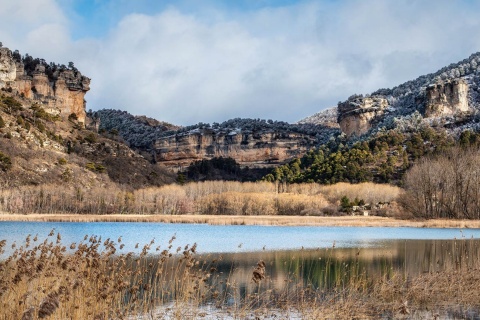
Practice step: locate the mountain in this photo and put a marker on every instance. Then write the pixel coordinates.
(46, 136)
(449, 98)
(384, 132)
(254, 143)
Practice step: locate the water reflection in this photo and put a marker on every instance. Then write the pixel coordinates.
(333, 267)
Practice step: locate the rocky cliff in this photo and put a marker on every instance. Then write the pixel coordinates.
(446, 98)
(357, 114)
(450, 96)
(57, 89)
(254, 143)
(252, 149)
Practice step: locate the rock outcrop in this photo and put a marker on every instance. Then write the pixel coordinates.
(446, 98)
(8, 71)
(252, 149)
(451, 93)
(358, 113)
(60, 91)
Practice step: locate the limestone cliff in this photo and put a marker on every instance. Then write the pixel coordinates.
(450, 96)
(357, 114)
(252, 149)
(58, 89)
(8, 70)
(446, 98)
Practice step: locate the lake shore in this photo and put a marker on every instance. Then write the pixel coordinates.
(343, 221)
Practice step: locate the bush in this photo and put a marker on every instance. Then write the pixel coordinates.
(2, 123)
(91, 138)
(345, 203)
(10, 104)
(41, 126)
(5, 162)
(72, 117)
(95, 167)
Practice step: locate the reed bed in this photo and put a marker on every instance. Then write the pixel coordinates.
(93, 279)
(212, 197)
(368, 191)
(342, 221)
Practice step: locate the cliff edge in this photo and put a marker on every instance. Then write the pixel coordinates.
(58, 89)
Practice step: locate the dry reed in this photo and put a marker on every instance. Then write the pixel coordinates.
(91, 280)
(344, 221)
(212, 197)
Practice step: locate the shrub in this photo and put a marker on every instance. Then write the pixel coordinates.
(95, 167)
(40, 126)
(20, 120)
(91, 138)
(5, 162)
(10, 104)
(2, 123)
(90, 166)
(72, 117)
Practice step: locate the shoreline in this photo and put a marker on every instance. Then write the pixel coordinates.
(342, 221)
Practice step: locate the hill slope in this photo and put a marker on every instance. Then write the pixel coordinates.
(43, 137)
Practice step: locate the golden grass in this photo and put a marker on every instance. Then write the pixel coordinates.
(343, 221)
(41, 280)
(368, 191)
(212, 197)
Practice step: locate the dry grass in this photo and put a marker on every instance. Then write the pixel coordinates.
(212, 197)
(368, 191)
(45, 280)
(344, 221)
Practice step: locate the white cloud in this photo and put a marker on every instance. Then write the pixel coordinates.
(281, 63)
(22, 22)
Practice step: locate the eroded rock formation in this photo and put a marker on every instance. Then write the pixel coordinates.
(446, 98)
(357, 114)
(8, 71)
(253, 149)
(60, 93)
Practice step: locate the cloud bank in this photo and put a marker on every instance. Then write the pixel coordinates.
(213, 63)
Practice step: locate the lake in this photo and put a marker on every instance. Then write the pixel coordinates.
(229, 239)
(295, 258)
(284, 249)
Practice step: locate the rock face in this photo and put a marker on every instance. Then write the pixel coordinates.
(253, 149)
(451, 93)
(446, 98)
(357, 114)
(8, 71)
(60, 92)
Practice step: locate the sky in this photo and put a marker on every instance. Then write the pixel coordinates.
(191, 61)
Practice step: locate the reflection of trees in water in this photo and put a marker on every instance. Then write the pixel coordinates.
(290, 274)
(326, 268)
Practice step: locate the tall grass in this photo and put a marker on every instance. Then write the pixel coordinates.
(93, 279)
(213, 197)
(370, 192)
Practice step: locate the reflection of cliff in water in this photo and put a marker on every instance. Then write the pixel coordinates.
(324, 268)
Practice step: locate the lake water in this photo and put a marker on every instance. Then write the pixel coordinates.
(294, 256)
(229, 239)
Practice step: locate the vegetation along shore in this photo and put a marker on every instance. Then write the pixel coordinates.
(91, 279)
(344, 221)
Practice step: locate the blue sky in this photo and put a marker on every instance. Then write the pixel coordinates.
(193, 61)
